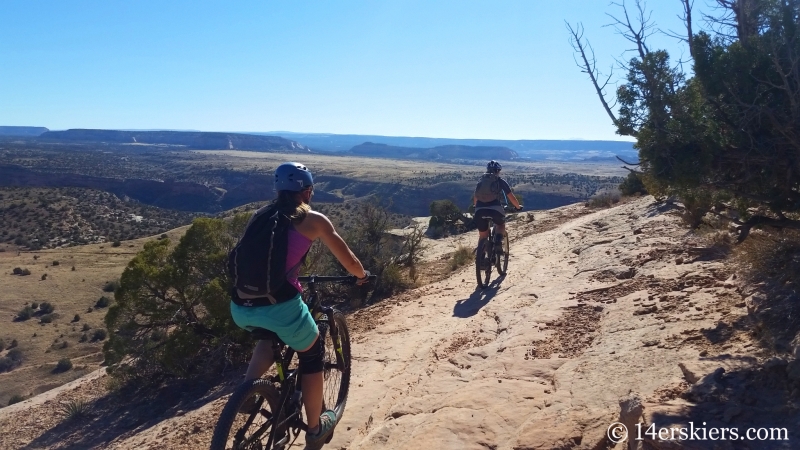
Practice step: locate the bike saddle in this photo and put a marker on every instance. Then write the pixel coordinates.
(262, 334)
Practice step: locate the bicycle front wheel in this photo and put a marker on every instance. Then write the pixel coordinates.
(336, 363)
(251, 428)
(502, 260)
(483, 266)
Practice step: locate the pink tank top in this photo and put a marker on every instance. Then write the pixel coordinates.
(298, 246)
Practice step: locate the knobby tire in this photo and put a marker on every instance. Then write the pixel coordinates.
(336, 374)
(481, 256)
(502, 262)
(230, 421)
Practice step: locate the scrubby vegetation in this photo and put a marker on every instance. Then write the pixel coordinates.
(722, 138)
(171, 309)
(36, 218)
(63, 365)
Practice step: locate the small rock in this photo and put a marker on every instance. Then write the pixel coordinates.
(679, 260)
(650, 342)
(642, 311)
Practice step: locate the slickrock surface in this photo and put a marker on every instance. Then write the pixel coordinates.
(617, 307)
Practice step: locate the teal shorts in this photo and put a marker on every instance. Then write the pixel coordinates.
(290, 320)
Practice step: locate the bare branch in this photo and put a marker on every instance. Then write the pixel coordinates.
(626, 162)
(588, 65)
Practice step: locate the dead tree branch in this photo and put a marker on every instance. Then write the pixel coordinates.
(588, 65)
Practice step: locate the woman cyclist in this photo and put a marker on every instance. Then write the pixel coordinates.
(290, 319)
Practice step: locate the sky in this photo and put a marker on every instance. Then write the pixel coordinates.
(493, 69)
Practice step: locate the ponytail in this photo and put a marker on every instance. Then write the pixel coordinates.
(289, 203)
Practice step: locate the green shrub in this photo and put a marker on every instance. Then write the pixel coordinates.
(47, 318)
(15, 354)
(64, 364)
(55, 263)
(604, 200)
(46, 307)
(84, 338)
(116, 244)
(17, 271)
(44, 276)
(14, 343)
(35, 305)
(102, 302)
(632, 185)
(99, 335)
(111, 286)
(200, 336)
(24, 314)
(86, 327)
(25, 272)
(77, 318)
(16, 398)
(462, 256)
(6, 364)
(392, 280)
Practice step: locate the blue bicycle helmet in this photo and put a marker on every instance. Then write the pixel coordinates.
(292, 176)
(493, 166)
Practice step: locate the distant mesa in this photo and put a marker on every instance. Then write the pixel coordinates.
(434, 153)
(191, 140)
(22, 131)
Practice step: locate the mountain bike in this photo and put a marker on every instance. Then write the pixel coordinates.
(488, 254)
(273, 418)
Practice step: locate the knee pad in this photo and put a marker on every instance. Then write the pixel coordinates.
(311, 359)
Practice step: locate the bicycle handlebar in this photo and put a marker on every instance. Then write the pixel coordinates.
(348, 279)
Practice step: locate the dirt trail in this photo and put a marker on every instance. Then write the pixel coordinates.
(591, 310)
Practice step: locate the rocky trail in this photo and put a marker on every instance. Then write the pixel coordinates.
(616, 315)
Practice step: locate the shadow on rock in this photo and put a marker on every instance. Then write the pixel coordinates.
(471, 305)
(761, 399)
(131, 410)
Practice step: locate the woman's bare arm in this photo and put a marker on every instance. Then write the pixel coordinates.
(316, 225)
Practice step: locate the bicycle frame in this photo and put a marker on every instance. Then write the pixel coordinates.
(288, 380)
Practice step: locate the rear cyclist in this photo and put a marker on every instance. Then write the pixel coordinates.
(290, 319)
(488, 202)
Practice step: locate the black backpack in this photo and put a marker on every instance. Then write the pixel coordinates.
(257, 264)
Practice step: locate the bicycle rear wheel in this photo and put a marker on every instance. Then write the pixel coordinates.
(240, 431)
(502, 260)
(336, 363)
(483, 266)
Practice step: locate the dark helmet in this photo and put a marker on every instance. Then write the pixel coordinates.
(493, 166)
(292, 176)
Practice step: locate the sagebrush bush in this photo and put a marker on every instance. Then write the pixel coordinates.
(604, 200)
(111, 286)
(461, 257)
(47, 318)
(102, 302)
(99, 334)
(46, 307)
(116, 244)
(86, 327)
(35, 305)
(25, 313)
(55, 263)
(16, 398)
(77, 318)
(63, 365)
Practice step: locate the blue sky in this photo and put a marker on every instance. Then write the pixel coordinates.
(457, 69)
